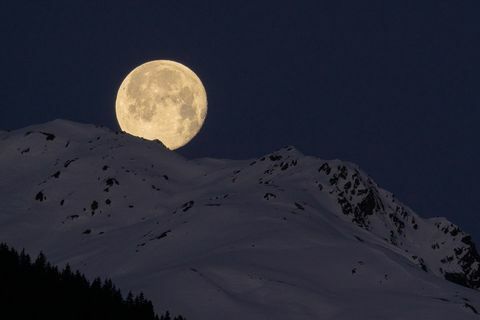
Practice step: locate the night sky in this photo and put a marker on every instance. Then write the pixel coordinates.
(393, 87)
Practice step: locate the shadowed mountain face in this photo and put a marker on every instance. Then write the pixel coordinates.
(284, 236)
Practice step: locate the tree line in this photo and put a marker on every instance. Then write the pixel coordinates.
(36, 289)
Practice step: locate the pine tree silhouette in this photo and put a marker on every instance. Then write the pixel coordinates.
(39, 290)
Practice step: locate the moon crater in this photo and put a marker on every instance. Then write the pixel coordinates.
(162, 100)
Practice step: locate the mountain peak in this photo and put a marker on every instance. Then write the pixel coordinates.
(282, 232)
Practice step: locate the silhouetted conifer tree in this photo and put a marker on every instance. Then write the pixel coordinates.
(39, 290)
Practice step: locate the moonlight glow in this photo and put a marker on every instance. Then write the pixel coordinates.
(162, 100)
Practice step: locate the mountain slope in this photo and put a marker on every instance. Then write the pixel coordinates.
(284, 236)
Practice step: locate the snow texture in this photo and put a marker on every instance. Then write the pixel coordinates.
(284, 236)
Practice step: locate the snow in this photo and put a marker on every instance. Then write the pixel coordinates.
(270, 238)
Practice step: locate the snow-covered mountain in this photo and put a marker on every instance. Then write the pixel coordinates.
(284, 236)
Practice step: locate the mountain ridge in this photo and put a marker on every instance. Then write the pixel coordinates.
(107, 202)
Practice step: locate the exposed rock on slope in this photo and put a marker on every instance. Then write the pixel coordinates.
(284, 236)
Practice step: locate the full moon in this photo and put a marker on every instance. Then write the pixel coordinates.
(162, 100)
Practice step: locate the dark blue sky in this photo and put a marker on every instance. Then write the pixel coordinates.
(391, 86)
